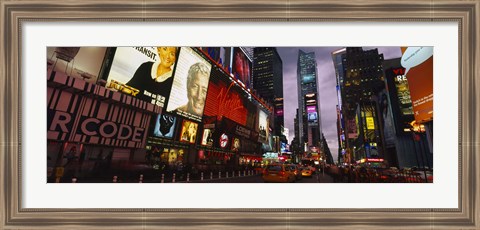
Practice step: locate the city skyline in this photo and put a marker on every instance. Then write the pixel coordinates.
(326, 87)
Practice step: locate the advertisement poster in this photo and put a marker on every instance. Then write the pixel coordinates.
(225, 100)
(207, 138)
(387, 119)
(312, 113)
(164, 126)
(175, 156)
(418, 62)
(143, 72)
(241, 67)
(403, 91)
(190, 85)
(189, 131)
(223, 140)
(352, 128)
(263, 126)
(235, 144)
(79, 62)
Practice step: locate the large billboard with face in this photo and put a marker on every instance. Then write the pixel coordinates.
(241, 67)
(190, 85)
(225, 99)
(418, 62)
(143, 72)
(164, 126)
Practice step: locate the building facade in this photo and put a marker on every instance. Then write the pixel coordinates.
(268, 82)
(100, 117)
(309, 120)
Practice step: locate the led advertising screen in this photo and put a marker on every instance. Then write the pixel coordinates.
(190, 85)
(312, 114)
(308, 78)
(189, 131)
(224, 99)
(262, 126)
(143, 72)
(80, 62)
(207, 138)
(241, 67)
(418, 62)
(164, 126)
(402, 89)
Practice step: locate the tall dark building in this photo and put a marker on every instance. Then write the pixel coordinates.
(308, 102)
(338, 57)
(268, 81)
(396, 113)
(363, 78)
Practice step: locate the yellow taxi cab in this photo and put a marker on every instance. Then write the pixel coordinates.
(296, 171)
(278, 173)
(307, 172)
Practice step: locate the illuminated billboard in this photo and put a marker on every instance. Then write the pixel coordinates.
(418, 62)
(207, 138)
(80, 62)
(175, 155)
(402, 89)
(190, 85)
(164, 126)
(189, 132)
(312, 114)
(386, 119)
(263, 126)
(308, 78)
(143, 72)
(235, 144)
(241, 66)
(225, 99)
(223, 140)
(352, 128)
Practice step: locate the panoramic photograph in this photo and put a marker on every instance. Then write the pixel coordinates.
(239, 114)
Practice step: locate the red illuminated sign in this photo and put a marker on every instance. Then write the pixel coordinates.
(224, 101)
(374, 160)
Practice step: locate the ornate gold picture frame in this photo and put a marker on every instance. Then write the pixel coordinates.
(15, 13)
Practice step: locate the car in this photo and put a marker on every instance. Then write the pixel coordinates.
(306, 172)
(278, 173)
(296, 170)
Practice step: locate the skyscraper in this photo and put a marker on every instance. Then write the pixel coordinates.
(308, 102)
(338, 57)
(363, 78)
(268, 81)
